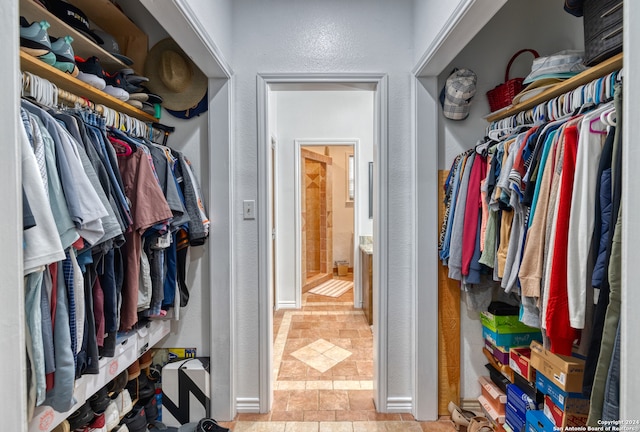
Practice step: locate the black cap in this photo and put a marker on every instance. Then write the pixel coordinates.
(74, 17)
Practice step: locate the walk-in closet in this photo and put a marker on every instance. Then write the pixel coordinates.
(457, 242)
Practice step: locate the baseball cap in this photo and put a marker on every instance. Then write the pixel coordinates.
(110, 45)
(457, 93)
(74, 17)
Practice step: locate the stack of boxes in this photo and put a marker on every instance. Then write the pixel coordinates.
(529, 388)
(503, 332)
(559, 378)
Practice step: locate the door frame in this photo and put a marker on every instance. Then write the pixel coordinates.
(299, 143)
(380, 226)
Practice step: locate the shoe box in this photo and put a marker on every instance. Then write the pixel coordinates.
(185, 391)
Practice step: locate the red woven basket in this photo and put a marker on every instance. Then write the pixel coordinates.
(502, 95)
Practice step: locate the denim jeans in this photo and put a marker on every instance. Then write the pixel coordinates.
(611, 406)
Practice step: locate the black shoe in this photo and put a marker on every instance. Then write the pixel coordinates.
(81, 417)
(141, 389)
(210, 425)
(100, 400)
(136, 420)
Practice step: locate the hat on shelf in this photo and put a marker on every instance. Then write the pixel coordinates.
(110, 44)
(174, 76)
(535, 88)
(563, 64)
(457, 93)
(74, 17)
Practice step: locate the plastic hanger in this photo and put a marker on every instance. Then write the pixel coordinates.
(122, 148)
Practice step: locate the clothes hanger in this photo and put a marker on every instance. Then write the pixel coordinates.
(122, 148)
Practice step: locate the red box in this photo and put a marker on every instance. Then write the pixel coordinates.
(563, 419)
(520, 362)
(493, 395)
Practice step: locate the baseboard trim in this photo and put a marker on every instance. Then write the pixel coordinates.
(248, 405)
(399, 404)
(287, 305)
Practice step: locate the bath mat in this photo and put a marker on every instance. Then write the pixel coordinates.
(332, 288)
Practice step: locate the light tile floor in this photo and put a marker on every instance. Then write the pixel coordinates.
(323, 374)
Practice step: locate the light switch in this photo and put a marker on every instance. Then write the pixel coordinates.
(249, 209)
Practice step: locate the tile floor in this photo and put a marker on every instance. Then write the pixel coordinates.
(323, 374)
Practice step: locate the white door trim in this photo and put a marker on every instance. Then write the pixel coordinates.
(380, 231)
(299, 143)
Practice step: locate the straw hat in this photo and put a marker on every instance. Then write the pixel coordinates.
(174, 76)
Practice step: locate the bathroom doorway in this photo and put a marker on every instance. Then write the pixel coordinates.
(327, 185)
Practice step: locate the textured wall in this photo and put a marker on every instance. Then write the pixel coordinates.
(331, 36)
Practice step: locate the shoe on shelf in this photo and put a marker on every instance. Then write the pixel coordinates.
(81, 417)
(100, 400)
(34, 40)
(62, 427)
(65, 59)
(118, 384)
(123, 402)
(136, 420)
(146, 359)
(91, 72)
(98, 424)
(116, 86)
(111, 416)
(141, 389)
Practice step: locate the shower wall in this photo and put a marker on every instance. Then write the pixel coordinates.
(316, 218)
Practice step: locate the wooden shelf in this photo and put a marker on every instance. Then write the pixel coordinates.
(82, 45)
(132, 41)
(79, 88)
(602, 69)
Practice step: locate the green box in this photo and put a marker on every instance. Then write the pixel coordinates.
(505, 324)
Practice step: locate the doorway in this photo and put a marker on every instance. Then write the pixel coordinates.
(375, 87)
(326, 221)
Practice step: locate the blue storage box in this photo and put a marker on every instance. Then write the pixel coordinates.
(508, 340)
(538, 422)
(520, 401)
(515, 420)
(573, 402)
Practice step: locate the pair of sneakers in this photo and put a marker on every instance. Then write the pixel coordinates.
(57, 52)
(118, 84)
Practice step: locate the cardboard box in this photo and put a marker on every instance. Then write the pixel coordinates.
(503, 369)
(181, 353)
(514, 421)
(565, 372)
(519, 361)
(501, 354)
(574, 402)
(538, 422)
(498, 378)
(490, 412)
(563, 419)
(520, 401)
(185, 391)
(493, 394)
(504, 323)
(529, 388)
(508, 340)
